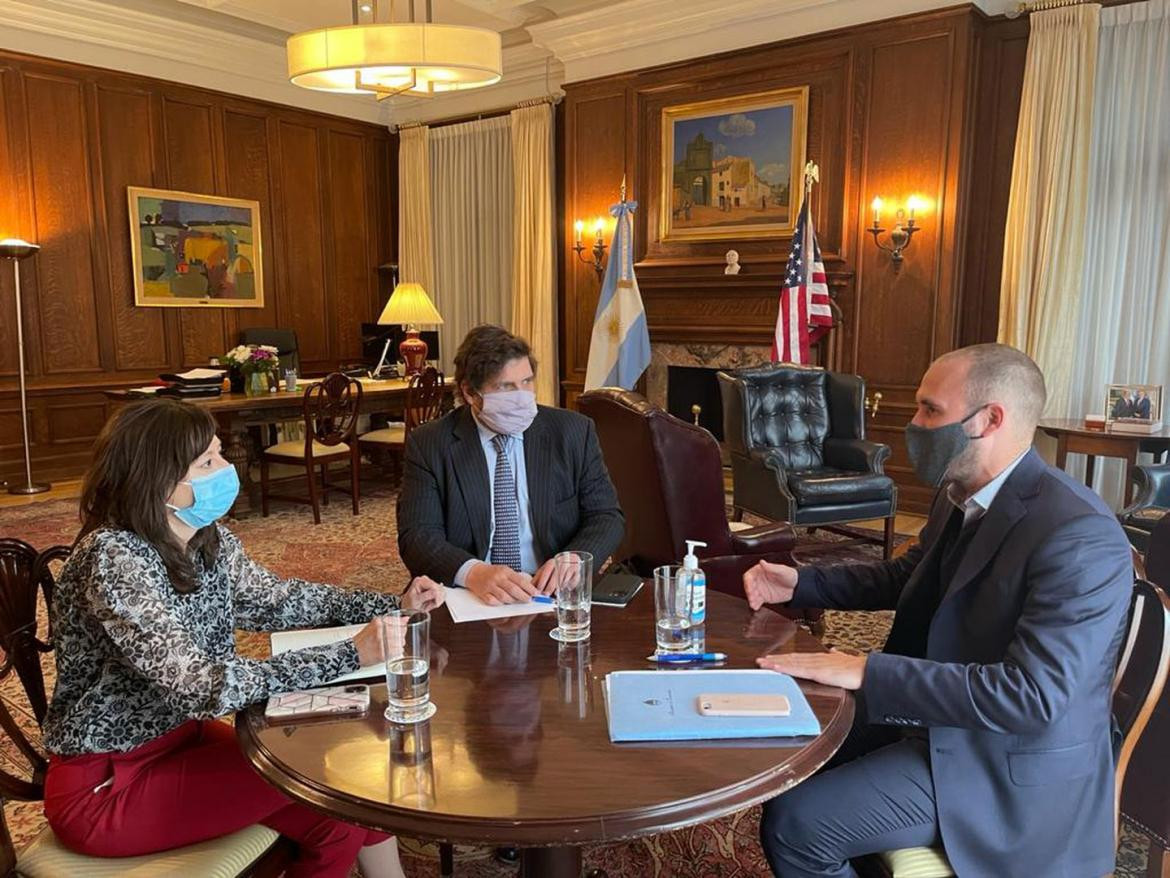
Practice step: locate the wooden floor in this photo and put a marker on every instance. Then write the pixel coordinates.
(67, 490)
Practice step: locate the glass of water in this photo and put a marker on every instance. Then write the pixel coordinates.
(406, 644)
(573, 576)
(672, 608)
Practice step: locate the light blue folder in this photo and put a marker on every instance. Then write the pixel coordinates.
(663, 705)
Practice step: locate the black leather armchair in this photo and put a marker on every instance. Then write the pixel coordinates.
(798, 448)
(1151, 503)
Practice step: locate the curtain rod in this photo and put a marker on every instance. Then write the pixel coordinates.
(1041, 6)
(485, 114)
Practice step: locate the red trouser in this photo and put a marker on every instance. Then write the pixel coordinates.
(187, 786)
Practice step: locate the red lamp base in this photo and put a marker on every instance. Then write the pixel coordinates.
(413, 351)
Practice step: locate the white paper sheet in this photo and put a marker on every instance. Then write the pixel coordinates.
(466, 607)
(284, 641)
(201, 374)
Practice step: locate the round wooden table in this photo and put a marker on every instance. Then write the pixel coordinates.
(519, 754)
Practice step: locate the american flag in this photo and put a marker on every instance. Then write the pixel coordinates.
(804, 300)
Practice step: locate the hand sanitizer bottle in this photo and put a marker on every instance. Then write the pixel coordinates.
(698, 583)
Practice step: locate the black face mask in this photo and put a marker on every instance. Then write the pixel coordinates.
(932, 450)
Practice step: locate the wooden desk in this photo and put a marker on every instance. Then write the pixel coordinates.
(1072, 438)
(236, 412)
(518, 753)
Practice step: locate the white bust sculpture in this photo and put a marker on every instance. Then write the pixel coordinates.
(732, 263)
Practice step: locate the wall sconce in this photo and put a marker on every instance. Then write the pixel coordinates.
(596, 259)
(901, 234)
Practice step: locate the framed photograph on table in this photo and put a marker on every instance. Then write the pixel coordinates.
(193, 250)
(1134, 407)
(731, 167)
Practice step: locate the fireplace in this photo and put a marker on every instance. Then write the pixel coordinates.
(688, 386)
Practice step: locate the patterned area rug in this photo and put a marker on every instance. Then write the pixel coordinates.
(361, 551)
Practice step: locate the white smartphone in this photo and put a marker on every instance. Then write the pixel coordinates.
(349, 700)
(745, 704)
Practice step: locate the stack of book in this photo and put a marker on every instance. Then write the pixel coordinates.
(1135, 425)
(193, 384)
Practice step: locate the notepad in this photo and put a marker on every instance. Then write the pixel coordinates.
(663, 706)
(466, 607)
(286, 641)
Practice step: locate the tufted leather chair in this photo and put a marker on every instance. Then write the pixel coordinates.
(669, 479)
(1150, 505)
(798, 448)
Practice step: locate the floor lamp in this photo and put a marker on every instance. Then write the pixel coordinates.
(16, 250)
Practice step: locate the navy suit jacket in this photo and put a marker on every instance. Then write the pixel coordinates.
(1013, 679)
(445, 505)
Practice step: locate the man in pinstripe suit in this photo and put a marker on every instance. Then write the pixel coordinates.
(493, 490)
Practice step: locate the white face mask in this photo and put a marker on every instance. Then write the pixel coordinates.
(510, 412)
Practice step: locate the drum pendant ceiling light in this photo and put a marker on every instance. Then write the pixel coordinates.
(394, 58)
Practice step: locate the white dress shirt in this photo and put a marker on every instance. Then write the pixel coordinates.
(976, 506)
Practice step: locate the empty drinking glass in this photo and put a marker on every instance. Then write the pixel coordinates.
(672, 608)
(406, 641)
(573, 576)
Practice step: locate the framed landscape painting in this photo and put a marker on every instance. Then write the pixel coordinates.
(731, 167)
(195, 250)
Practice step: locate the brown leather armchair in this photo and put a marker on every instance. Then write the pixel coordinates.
(669, 479)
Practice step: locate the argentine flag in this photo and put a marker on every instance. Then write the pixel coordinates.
(619, 351)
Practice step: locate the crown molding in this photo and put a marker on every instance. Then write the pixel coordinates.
(138, 41)
(636, 34)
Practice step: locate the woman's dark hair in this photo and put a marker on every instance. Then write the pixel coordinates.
(484, 352)
(144, 450)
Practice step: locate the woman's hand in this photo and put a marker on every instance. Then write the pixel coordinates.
(423, 593)
(368, 642)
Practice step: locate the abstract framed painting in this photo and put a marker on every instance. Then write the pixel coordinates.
(731, 167)
(193, 250)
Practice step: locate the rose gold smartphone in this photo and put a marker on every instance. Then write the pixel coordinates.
(338, 701)
(744, 705)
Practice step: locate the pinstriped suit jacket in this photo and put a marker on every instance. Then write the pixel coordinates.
(445, 505)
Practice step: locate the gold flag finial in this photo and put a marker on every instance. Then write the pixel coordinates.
(623, 188)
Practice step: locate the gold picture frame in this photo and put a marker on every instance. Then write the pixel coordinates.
(195, 251)
(731, 167)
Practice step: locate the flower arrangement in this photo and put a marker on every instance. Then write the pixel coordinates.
(249, 359)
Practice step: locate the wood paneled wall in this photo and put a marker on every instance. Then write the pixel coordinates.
(922, 104)
(72, 138)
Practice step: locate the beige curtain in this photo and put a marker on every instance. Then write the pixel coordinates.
(1043, 265)
(534, 286)
(415, 253)
(471, 202)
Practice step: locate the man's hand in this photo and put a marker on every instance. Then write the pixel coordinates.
(496, 584)
(831, 668)
(544, 581)
(768, 583)
(423, 593)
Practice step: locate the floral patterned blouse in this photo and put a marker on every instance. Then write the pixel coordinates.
(136, 658)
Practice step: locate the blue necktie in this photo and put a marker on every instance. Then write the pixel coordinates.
(506, 538)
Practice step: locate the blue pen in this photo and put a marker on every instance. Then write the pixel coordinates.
(686, 657)
(542, 599)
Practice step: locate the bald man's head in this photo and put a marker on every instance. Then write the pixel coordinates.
(1000, 373)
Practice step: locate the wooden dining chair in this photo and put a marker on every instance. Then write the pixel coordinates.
(1138, 684)
(25, 576)
(424, 402)
(330, 410)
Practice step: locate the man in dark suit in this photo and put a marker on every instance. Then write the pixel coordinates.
(1141, 405)
(984, 725)
(1125, 406)
(492, 491)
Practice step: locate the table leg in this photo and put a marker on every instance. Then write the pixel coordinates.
(236, 451)
(1090, 469)
(554, 862)
(1061, 451)
(1131, 461)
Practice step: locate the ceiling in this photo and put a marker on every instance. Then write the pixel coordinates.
(237, 46)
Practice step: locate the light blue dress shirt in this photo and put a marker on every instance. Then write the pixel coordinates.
(976, 506)
(515, 452)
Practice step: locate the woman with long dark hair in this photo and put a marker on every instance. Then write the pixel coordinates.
(143, 623)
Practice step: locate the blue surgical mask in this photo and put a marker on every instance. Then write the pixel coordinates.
(214, 495)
